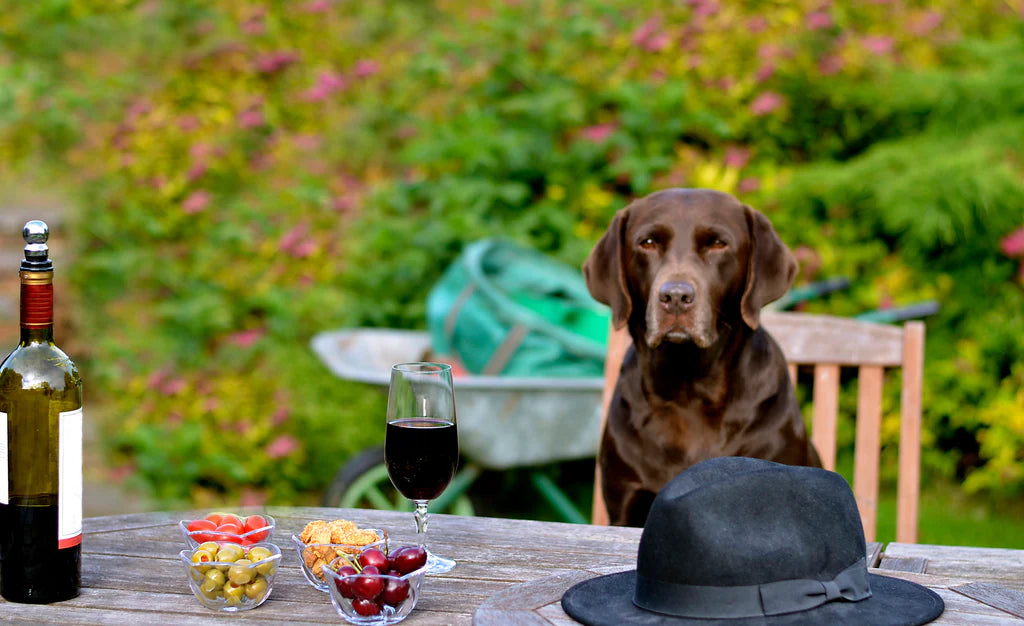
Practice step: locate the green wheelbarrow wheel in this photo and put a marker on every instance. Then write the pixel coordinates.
(362, 482)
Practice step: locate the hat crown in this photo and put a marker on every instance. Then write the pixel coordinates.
(736, 521)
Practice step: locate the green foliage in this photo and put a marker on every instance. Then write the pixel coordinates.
(249, 174)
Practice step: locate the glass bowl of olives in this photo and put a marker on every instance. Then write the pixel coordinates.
(220, 527)
(227, 576)
(314, 557)
(376, 588)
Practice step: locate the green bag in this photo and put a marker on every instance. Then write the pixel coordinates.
(502, 309)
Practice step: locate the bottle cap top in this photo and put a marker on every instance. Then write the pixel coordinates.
(37, 253)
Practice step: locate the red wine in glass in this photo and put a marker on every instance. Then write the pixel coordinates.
(422, 454)
(421, 443)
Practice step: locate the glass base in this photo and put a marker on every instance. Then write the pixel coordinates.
(438, 564)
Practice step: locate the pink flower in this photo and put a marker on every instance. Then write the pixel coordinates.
(307, 141)
(196, 171)
(196, 202)
(925, 23)
(767, 102)
(768, 51)
(327, 83)
(757, 24)
(246, 338)
(173, 387)
(280, 416)
(878, 44)
(737, 156)
(818, 20)
(764, 72)
(211, 404)
(282, 446)
(644, 32)
(1012, 245)
(188, 123)
(316, 6)
(251, 118)
(598, 132)
(830, 64)
(343, 204)
(174, 419)
(316, 93)
(749, 185)
(366, 67)
(275, 61)
(704, 8)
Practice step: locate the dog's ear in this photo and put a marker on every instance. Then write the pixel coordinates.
(770, 270)
(605, 272)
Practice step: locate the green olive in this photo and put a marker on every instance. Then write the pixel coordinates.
(242, 572)
(229, 554)
(257, 588)
(258, 556)
(210, 546)
(217, 577)
(202, 556)
(233, 593)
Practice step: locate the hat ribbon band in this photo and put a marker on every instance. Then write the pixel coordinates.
(775, 598)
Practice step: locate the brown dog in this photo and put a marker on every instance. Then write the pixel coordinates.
(688, 270)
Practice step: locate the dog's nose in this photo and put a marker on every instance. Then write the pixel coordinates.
(676, 296)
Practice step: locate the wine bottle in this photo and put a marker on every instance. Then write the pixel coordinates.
(40, 447)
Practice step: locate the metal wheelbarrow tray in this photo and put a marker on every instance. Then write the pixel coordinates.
(503, 421)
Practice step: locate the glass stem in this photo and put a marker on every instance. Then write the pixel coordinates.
(421, 522)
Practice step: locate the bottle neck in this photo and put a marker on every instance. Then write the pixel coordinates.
(36, 306)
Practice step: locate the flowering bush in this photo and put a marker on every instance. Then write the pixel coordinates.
(248, 174)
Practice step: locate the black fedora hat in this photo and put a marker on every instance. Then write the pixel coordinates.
(746, 541)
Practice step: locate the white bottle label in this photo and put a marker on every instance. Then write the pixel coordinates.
(5, 496)
(69, 487)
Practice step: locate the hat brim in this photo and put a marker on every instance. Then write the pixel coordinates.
(608, 600)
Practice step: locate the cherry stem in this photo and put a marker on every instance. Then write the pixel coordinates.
(421, 522)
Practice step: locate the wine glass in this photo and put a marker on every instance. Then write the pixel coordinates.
(421, 446)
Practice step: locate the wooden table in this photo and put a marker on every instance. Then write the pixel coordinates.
(509, 570)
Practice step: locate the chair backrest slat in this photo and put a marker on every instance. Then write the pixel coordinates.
(867, 445)
(909, 480)
(826, 412)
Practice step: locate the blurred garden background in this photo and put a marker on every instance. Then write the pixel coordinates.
(233, 177)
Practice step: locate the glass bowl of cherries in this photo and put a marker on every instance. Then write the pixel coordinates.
(377, 587)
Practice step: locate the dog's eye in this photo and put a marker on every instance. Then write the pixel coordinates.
(717, 244)
(648, 243)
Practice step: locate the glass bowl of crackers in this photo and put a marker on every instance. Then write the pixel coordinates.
(321, 542)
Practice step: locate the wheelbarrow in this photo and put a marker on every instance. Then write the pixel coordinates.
(504, 421)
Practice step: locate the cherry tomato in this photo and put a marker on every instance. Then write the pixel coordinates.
(215, 518)
(228, 518)
(256, 522)
(201, 525)
(234, 529)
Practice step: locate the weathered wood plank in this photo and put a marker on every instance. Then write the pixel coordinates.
(874, 553)
(807, 338)
(1008, 600)
(904, 564)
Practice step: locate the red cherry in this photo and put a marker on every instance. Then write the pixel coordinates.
(363, 606)
(373, 557)
(410, 559)
(396, 590)
(369, 584)
(344, 584)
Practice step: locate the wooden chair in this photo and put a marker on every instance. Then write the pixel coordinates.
(829, 343)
